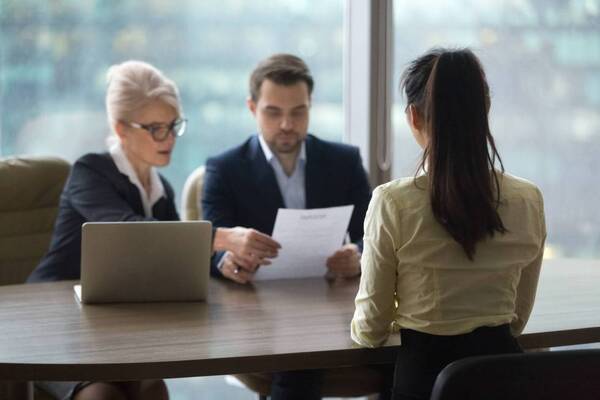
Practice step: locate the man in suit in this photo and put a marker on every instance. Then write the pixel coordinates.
(284, 166)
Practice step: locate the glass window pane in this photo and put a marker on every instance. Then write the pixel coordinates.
(542, 59)
(54, 56)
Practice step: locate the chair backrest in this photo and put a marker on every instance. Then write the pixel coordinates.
(569, 374)
(191, 197)
(30, 189)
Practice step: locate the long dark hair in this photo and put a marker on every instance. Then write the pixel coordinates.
(448, 88)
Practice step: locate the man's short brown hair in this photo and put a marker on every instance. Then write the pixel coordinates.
(282, 69)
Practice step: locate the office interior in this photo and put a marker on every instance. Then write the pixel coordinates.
(542, 60)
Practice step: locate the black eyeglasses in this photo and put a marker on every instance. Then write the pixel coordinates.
(160, 132)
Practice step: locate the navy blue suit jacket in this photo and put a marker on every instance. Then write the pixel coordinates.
(240, 188)
(95, 191)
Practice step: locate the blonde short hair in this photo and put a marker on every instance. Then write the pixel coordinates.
(134, 84)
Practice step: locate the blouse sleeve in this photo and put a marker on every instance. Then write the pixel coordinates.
(527, 286)
(375, 301)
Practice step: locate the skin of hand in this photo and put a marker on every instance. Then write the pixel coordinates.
(234, 271)
(250, 247)
(345, 262)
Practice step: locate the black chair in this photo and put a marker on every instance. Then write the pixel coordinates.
(570, 374)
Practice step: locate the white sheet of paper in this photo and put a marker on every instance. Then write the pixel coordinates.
(307, 239)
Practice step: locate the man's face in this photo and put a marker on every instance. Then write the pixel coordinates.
(282, 114)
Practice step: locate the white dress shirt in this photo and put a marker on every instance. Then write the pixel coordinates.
(157, 189)
(291, 187)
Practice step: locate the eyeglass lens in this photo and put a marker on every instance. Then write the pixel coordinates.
(162, 132)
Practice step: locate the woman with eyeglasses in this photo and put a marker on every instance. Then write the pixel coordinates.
(145, 116)
(452, 255)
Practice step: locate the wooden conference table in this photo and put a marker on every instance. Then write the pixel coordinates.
(45, 334)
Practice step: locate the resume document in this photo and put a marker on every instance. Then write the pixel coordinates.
(307, 239)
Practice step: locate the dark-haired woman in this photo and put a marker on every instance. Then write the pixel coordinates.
(452, 255)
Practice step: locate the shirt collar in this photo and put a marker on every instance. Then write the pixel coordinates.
(269, 154)
(124, 166)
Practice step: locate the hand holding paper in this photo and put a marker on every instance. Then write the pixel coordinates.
(345, 262)
(307, 238)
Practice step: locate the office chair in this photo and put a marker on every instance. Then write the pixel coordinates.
(30, 189)
(191, 196)
(338, 382)
(569, 374)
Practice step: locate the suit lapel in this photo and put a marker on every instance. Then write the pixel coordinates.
(262, 172)
(129, 190)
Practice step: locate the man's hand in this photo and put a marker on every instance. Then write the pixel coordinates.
(250, 247)
(345, 262)
(231, 269)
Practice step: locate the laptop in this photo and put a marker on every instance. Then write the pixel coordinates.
(144, 261)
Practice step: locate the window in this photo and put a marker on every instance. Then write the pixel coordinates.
(542, 59)
(54, 56)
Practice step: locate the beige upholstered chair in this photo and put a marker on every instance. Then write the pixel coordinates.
(338, 382)
(191, 205)
(30, 189)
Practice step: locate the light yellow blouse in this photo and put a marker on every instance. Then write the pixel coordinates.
(415, 276)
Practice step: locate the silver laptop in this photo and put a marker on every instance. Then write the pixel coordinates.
(144, 261)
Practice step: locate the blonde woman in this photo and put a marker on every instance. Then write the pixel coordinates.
(123, 184)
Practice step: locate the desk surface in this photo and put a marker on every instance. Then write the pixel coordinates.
(273, 325)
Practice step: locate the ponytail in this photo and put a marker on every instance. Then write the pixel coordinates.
(450, 92)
